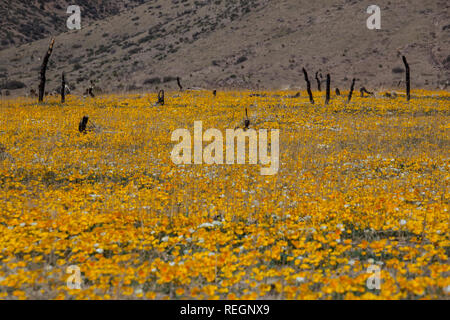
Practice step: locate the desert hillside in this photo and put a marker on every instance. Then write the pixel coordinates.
(236, 44)
(24, 22)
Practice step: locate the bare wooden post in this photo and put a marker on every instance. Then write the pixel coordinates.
(351, 90)
(327, 99)
(82, 125)
(318, 82)
(179, 83)
(408, 83)
(44, 69)
(63, 88)
(308, 86)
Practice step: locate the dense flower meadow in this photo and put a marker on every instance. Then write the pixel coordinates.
(360, 184)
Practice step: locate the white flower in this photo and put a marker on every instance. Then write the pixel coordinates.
(205, 225)
(351, 262)
(165, 239)
(402, 222)
(300, 279)
(138, 291)
(447, 289)
(99, 250)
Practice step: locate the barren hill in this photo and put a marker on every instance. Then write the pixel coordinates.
(24, 22)
(245, 44)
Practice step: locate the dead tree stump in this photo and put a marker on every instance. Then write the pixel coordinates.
(179, 84)
(327, 99)
(246, 120)
(364, 90)
(308, 86)
(90, 90)
(351, 90)
(63, 88)
(83, 124)
(408, 83)
(161, 97)
(44, 70)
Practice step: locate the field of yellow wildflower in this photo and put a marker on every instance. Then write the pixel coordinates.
(360, 185)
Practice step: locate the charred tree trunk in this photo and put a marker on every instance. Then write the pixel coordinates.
(327, 99)
(214, 93)
(338, 92)
(83, 124)
(308, 86)
(179, 84)
(43, 71)
(161, 97)
(90, 90)
(351, 90)
(408, 83)
(364, 90)
(63, 88)
(246, 120)
(318, 82)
